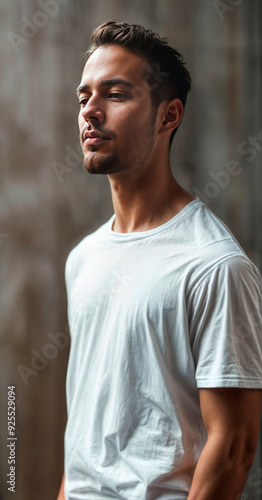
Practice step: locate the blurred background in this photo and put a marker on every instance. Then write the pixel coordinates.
(48, 202)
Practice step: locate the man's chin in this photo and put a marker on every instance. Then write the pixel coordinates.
(100, 164)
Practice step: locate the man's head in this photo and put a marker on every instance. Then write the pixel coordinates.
(165, 71)
(132, 94)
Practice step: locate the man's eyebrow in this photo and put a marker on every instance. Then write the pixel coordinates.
(104, 83)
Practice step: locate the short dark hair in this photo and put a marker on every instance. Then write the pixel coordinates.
(162, 59)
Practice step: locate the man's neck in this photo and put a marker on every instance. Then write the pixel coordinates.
(147, 201)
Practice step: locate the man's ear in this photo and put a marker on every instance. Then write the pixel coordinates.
(173, 115)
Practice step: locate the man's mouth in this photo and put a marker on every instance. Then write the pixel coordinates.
(92, 137)
(94, 140)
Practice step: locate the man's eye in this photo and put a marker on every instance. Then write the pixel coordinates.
(82, 102)
(118, 95)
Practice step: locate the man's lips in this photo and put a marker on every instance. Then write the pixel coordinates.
(93, 137)
(94, 140)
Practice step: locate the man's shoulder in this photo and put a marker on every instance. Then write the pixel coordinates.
(211, 246)
(206, 229)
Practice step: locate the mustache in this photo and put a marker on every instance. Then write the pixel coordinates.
(88, 128)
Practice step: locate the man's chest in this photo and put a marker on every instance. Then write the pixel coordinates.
(125, 280)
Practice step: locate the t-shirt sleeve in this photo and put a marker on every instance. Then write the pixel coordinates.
(226, 326)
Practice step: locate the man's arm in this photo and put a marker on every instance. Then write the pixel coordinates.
(231, 417)
(61, 494)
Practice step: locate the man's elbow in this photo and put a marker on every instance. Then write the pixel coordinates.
(247, 452)
(240, 452)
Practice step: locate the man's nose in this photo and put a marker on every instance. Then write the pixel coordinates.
(93, 110)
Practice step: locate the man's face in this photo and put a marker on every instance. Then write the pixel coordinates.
(116, 110)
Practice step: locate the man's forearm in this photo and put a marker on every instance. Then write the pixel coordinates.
(221, 471)
(61, 494)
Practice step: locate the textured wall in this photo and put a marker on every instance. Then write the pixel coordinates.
(48, 202)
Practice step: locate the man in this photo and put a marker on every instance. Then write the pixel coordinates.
(165, 369)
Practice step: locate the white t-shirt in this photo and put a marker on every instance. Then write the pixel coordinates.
(154, 315)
